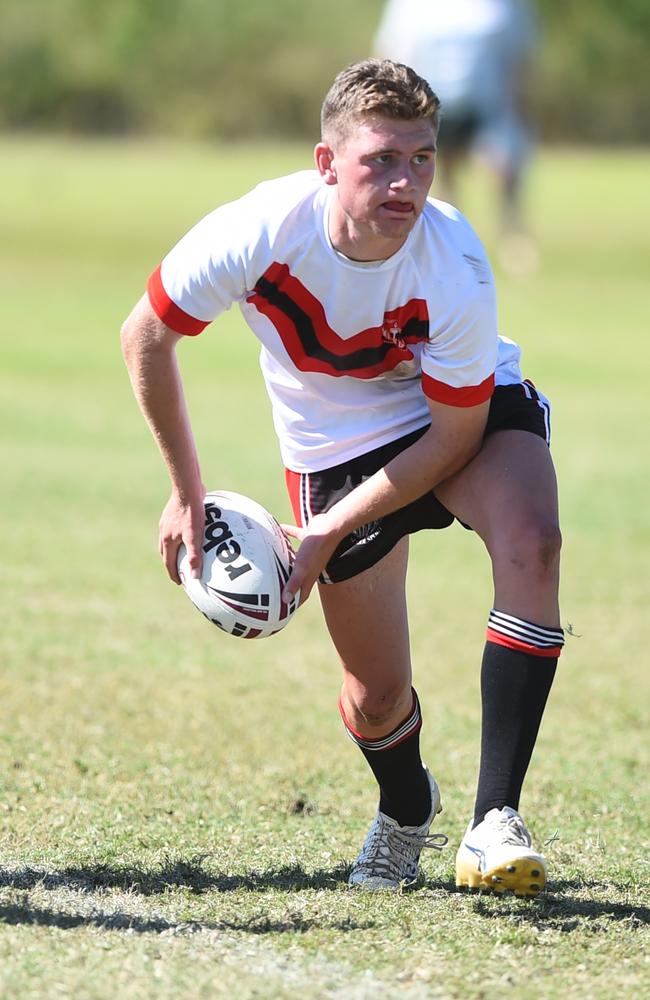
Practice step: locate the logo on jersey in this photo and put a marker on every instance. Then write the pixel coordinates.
(391, 333)
(480, 268)
(314, 346)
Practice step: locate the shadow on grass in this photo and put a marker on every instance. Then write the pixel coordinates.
(21, 914)
(188, 874)
(565, 906)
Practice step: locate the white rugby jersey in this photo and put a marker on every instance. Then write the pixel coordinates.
(349, 349)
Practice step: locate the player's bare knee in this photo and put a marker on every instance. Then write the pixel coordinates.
(541, 546)
(532, 546)
(380, 707)
(550, 545)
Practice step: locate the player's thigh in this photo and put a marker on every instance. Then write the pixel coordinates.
(507, 491)
(508, 494)
(367, 619)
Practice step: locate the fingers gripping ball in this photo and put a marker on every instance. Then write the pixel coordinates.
(247, 560)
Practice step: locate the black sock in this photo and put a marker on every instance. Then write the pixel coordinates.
(518, 668)
(395, 761)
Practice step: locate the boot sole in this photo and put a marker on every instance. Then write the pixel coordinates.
(526, 877)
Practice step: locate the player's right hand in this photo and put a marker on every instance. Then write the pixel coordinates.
(181, 522)
(317, 543)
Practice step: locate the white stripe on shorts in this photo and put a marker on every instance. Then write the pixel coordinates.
(306, 514)
(544, 405)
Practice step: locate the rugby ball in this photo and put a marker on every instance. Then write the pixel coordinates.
(246, 563)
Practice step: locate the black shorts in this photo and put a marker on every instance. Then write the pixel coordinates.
(512, 407)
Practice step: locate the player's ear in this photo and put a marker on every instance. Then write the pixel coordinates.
(324, 159)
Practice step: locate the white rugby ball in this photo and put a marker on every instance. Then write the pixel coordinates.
(246, 563)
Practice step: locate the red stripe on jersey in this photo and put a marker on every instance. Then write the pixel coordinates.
(172, 315)
(466, 395)
(292, 479)
(314, 346)
(524, 647)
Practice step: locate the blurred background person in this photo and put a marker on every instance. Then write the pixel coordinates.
(477, 55)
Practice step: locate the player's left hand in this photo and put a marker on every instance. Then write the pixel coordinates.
(317, 544)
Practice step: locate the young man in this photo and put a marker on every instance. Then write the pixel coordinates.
(375, 309)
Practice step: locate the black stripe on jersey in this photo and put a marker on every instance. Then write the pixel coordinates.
(310, 331)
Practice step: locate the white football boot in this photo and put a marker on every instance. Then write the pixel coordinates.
(390, 853)
(498, 855)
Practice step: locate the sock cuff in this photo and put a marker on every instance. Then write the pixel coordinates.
(411, 725)
(519, 634)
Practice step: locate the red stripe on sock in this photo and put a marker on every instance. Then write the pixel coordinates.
(347, 724)
(366, 739)
(523, 647)
(402, 739)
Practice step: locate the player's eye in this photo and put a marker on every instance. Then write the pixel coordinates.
(421, 158)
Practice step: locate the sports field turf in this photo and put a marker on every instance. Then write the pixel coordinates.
(178, 808)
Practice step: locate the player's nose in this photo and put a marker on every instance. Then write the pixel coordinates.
(403, 179)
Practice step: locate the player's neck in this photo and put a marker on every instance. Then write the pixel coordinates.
(361, 243)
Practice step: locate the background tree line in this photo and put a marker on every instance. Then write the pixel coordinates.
(260, 67)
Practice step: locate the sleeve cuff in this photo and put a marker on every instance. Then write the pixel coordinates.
(467, 395)
(172, 315)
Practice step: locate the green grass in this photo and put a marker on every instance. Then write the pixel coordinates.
(177, 809)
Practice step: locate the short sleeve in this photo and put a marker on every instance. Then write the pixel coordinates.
(205, 273)
(460, 357)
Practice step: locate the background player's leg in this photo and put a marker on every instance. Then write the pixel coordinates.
(508, 494)
(367, 620)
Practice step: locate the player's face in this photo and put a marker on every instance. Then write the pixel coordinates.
(382, 174)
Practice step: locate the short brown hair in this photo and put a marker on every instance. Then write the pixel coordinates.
(379, 87)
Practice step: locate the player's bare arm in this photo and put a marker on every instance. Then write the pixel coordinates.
(149, 349)
(452, 440)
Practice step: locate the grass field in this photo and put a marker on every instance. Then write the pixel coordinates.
(177, 808)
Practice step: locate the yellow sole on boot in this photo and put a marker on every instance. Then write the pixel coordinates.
(523, 876)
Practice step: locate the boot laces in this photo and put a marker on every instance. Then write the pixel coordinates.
(393, 853)
(513, 831)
